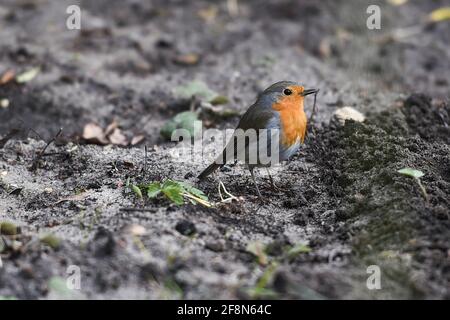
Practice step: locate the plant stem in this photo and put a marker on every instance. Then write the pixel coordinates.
(422, 188)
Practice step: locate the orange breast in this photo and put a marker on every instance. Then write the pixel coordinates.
(293, 119)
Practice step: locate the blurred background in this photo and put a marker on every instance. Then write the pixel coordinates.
(129, 57)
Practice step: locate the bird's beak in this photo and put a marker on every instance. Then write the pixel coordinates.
(309, 91)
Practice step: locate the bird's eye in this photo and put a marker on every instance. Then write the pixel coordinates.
(287, 92)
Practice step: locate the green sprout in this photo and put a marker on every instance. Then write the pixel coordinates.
(261, 288)
(137, 191)
(296, 250)
(416, 175)
(175, 191)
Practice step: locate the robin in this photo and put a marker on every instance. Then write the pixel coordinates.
(277, 121)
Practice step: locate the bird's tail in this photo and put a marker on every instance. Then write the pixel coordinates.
(210, 169)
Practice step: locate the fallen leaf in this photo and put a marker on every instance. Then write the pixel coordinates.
(110, 128)
(440, 14)
(94, 133)
(397, 2)
(9, 228)
(28, 75)
(7, 77)
(117, 138)
(187, 59)
(195, 88)
(219, 100)
(76, 197)
(52, 241)
(183, 120)
(137, 139)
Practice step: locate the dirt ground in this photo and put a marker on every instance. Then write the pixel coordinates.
(342, 201)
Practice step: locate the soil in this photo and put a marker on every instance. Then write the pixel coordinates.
(341, 195)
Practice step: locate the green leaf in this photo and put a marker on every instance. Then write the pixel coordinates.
(9, 228)
(174, 194)
(59, 286)
(194, 191)
(28, 75)
(168, 128)
(175, 191)
(137, 191)
(298, 249)
(440, 14)
(262, 293)
(183, 120)
(413, 173)
(219, 100)
(195, 88)
(153, 189)
(7, 298)
(52, 241)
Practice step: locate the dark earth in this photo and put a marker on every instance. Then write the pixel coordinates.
(342, 200)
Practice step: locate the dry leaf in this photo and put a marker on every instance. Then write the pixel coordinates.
(397, 2)
(440, 14)
(117, 138)
(187, 59)
(137, 139)
(94, 133)
(8, 76)
(110, 128)
(77, 197)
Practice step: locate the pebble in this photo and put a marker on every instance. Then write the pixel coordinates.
(348, 113)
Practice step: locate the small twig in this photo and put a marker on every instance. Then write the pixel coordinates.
(144, 169)
(41, 153)
(230, 196)
(201, 201)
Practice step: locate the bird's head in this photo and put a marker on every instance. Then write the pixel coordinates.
(285, 95)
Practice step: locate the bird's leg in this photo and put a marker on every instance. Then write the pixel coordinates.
(254, 181)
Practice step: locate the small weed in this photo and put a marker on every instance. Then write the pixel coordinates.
(177, 192)
(416, 175)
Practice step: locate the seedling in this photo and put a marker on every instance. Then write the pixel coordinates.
(137, 191)
(261, 290)
(177, 192)
(296, 250)
(258, 249)
(416, 175)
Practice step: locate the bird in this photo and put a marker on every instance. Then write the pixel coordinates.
(277, 121)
